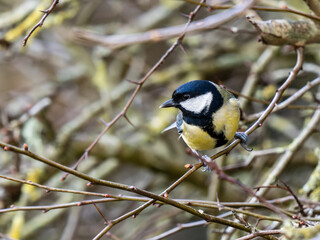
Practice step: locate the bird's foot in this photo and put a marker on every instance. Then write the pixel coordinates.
(207, 158)
(243, 137)
(206, 168)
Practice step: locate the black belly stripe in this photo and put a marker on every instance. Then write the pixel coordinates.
(206, 125)
(220, 137)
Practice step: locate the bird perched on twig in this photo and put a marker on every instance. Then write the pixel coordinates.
(208, 115)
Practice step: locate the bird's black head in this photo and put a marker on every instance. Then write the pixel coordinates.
(199, 98)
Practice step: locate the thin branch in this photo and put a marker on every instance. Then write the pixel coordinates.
(47, 208)
(40, 23)
(289, 100)
(53, 189)
(259, 8)
(229, 206)
(295, 197)
(101, 214)
(265, 102)
(178, 228)
(260, 233)
(254, 155)
(32, 111)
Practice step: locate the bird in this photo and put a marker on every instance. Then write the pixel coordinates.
(208, 115)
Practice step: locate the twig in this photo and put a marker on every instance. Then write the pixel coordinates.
(112, 236)
(295, 197)
(101, 214)
(47, 208)
(40, 23)
(48, 189)
(178, 228)
(253, 155)
(270, 186)
(265, 102)
(196, 203)
(32, 111)
(289, 100)
(260, 233)
(288, 189)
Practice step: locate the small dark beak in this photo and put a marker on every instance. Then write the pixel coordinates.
(167, 104)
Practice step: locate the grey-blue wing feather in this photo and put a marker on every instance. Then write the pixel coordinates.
(179, 122)
(173, 125)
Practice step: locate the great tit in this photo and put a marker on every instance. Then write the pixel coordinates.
(208, 115)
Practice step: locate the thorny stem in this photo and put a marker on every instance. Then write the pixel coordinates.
(40, 23)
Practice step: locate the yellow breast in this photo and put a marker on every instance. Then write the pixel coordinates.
(196, 138)
(227, 119)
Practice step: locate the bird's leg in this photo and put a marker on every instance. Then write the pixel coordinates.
(243, 137)
(205, 166)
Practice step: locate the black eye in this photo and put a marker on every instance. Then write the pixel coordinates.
(185, 96)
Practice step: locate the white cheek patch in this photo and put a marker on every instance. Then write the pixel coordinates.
(198, 104)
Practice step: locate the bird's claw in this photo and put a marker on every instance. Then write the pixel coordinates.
(207, 158)
(206, 168)
(243, 137)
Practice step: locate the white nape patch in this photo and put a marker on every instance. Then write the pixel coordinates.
(198, 104)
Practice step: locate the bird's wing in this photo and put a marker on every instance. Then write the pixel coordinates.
(177, 124)
(173, 125)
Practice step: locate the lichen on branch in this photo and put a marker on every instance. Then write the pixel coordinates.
(285, 32)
